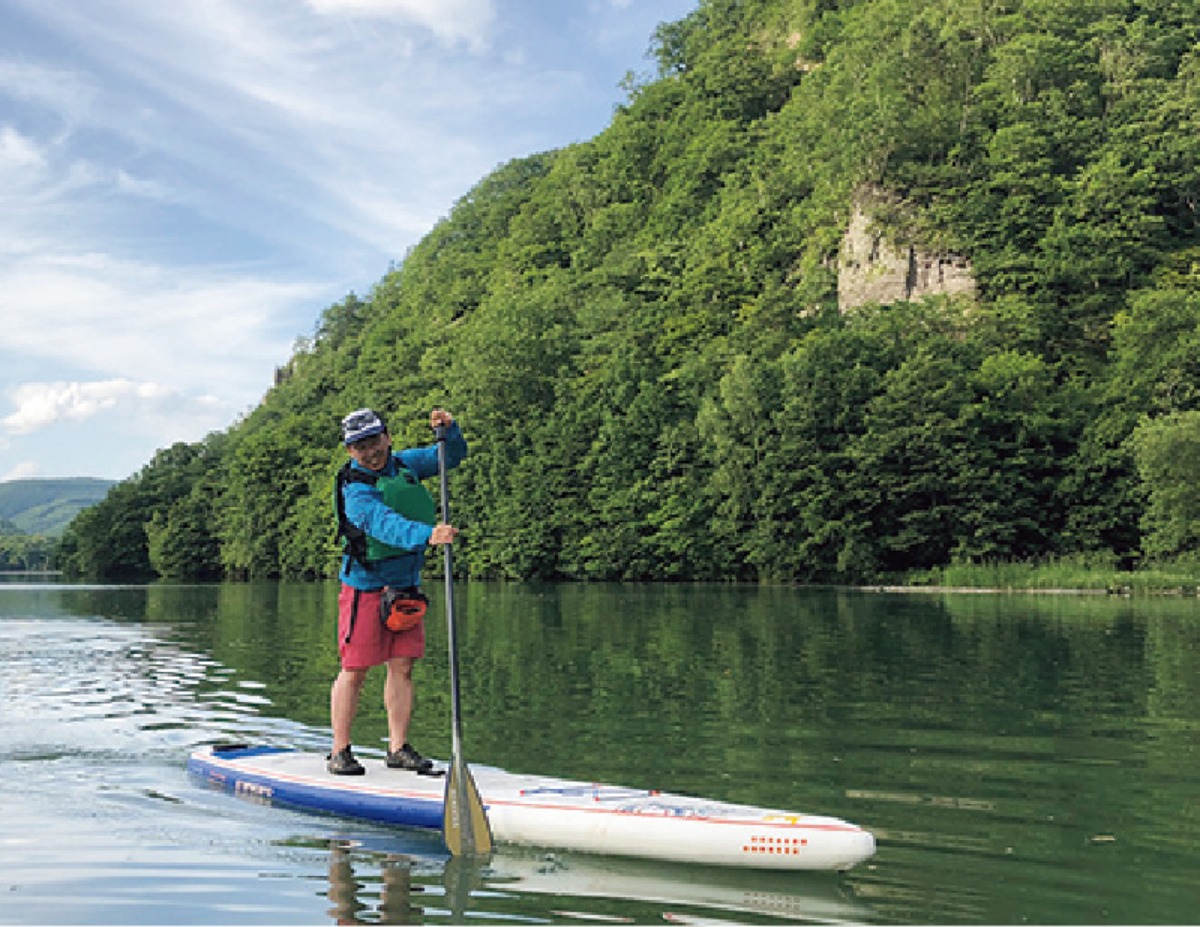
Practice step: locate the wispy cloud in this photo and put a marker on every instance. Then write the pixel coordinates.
(26, 469)
(262, 102)
(185, 186)
(42, 404)
(71, 422)
(17, 153)
(202, 332)
(61, 91)
(468, 21)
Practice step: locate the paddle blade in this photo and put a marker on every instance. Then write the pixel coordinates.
(464, 822)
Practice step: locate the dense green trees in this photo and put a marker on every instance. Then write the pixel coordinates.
(642, 336)
(22, 552)
(1168, 457)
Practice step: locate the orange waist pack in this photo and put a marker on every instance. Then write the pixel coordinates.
(402, 609)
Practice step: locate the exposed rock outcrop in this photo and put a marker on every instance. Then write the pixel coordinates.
(874, 269)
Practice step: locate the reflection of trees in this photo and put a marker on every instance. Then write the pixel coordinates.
(773, 679)
(1050, 708)
(1173, 708)
(773, 684)
(1055, 733)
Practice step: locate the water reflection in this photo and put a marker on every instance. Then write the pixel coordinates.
(389, 883)
(377, 879)
(581, 881)
(1023, 758)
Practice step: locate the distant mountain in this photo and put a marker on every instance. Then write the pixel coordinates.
(47, 506)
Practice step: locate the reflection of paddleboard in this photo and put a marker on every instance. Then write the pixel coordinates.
(557, 813)
(814, 898)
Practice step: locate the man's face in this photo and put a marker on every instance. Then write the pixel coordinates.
(372, 452)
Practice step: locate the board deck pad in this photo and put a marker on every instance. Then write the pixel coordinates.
(548, 812)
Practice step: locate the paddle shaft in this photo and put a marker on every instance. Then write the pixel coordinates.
(448, 561)
(465, 826)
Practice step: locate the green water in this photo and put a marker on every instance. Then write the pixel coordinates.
(1020, 758)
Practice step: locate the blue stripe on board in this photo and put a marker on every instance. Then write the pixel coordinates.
(384, 808)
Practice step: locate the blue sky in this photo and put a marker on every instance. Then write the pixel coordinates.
(184, 187)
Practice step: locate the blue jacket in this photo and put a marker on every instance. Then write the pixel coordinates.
(366, 509)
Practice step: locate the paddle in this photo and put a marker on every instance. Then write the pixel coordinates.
(464, 822)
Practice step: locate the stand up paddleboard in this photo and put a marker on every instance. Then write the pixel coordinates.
(546, 812)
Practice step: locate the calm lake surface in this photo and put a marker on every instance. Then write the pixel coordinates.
(1020, 758)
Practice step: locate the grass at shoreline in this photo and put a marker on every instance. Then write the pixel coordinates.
(1090, 573)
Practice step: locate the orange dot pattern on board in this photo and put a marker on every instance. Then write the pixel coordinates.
(776, 846)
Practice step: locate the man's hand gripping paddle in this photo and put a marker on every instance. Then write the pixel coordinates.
(464, 821)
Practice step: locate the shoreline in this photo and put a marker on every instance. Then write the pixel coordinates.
(993, 590)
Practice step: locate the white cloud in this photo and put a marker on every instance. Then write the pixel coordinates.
(42, 404)
(136, 186)
(26, 469)
(202, 331)
(467, 21)
(282, 114)
(17, 151)
(107, 428)
(185, 186)
(61, 91)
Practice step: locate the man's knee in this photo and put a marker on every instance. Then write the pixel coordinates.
(401, 665)
(351, 678)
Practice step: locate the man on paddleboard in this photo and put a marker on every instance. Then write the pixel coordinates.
(386, 518)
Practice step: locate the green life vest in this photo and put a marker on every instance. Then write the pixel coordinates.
(403, 494)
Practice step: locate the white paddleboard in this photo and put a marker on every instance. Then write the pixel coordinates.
(543, 811)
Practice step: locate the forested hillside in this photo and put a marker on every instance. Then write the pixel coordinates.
(643, 340)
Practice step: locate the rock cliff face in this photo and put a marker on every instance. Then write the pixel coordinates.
(872, 269)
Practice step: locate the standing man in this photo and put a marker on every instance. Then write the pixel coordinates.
(387, 517)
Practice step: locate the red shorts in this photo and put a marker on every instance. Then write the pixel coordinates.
(370, 642)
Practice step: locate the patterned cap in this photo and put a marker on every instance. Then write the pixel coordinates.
(362, 423)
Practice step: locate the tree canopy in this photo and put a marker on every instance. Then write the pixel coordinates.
(642, 338)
